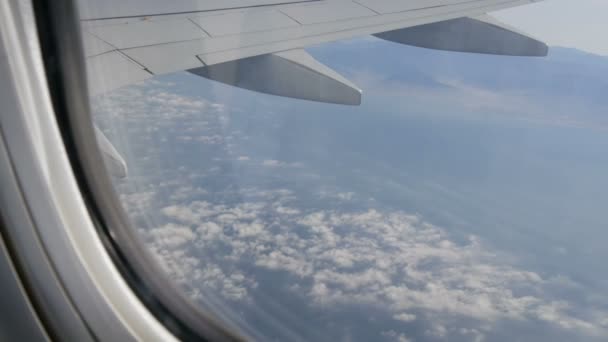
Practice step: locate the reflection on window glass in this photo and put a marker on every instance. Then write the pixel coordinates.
(464, 200)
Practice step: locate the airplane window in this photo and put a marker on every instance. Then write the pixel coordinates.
(364, 170)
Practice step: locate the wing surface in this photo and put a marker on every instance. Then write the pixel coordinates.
(129, 41)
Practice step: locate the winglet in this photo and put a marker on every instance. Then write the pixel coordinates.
(292, 73)
(483, 34)
(112, 159)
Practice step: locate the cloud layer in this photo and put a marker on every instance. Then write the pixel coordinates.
(221, 245)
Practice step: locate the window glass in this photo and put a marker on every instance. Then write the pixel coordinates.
(464, 199)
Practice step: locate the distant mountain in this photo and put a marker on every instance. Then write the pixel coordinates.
(575, 56)
(565, 72)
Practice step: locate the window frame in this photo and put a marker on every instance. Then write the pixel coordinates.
(64, 65)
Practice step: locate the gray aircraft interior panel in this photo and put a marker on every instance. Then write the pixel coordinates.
(147, 32)
(327, 12)
(243, 22)
(18, 320)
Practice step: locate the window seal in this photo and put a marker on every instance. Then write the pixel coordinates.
(65, 68)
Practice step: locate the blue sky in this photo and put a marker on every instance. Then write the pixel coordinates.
(432, 212)
(384, 221)
(580, 24)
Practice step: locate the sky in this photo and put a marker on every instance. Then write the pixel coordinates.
(449, 206)
(580, 24)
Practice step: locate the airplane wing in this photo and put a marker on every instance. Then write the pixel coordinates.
(259, 44)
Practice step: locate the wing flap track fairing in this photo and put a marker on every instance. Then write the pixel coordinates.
(292, 73)
(481, 34)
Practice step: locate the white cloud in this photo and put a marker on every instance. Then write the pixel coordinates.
(174, 100)
(405, 317)
(437, 330)
(271, 162)
(395, 336)
(278, 163)
(172, 235)
(474, 335)
(346, 196)
(249, 229)
(211, 139)
(277, 260)
(391, 260)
